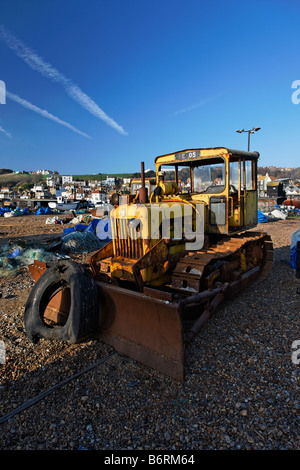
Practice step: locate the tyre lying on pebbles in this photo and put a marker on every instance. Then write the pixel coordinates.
(74, 281)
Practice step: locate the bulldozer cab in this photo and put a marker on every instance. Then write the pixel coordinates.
(222, 179)
(136, 184)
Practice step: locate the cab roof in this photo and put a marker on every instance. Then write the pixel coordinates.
(189, 155)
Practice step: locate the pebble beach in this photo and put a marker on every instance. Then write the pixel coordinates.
(240, 392)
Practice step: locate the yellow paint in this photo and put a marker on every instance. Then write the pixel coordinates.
(243, 260)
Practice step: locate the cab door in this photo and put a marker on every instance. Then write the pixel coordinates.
(242, 194)
(236, 195)
(250, 193)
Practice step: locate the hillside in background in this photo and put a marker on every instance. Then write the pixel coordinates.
(14, 181)
(292, 173)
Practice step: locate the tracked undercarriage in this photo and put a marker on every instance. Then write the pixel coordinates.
(223, 262)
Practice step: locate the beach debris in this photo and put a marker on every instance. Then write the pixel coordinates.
(80, 242)
(14, 256)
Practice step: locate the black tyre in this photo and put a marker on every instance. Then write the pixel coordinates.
(83, 305)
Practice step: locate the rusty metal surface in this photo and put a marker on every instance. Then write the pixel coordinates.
(105, 252)
(147, 330)
(155, 257)
(58, 308)
(204, 317)
(158, 294)
(292, 202)
(193, 274)
(37, 268)
(127, 245)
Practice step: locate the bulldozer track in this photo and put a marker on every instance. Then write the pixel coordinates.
(223, 262)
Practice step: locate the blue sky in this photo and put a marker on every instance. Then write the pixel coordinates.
(101, 85)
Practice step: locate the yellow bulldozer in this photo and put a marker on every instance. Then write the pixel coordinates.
(175, 255)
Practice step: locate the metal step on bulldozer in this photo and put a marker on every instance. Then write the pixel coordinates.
(175, 255)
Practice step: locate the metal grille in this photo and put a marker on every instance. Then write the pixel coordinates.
(127, 244)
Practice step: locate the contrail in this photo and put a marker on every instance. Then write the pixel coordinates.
(37, 63)
(195, 106)
(43, 113)
(190, 108)
(4, 131)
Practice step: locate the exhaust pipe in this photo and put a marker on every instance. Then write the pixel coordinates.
(143, 191)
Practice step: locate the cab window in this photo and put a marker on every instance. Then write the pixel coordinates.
(209, 178)
(249, 175)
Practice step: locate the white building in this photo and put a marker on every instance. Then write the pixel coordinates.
(4, 193)
(52, 181)
(98, 196)
(40, 191)
(67, 179)
(44, 172)
(262, 182)
(110, 181)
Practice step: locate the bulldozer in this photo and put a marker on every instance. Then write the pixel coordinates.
(175, 255)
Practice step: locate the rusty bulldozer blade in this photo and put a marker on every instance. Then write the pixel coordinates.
(146, 329)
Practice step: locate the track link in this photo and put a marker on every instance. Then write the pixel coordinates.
(224, 262)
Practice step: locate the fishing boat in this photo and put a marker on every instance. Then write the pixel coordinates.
(64, 204)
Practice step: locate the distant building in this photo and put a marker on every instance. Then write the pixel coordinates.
(40, 191)
(80, 195)
(44, 172)
(4, 193)
(262, 183)
(98, 196)
(110, 181)
(285, 181)
(52, 181)
(80, 184)
(67, 179)
(92, 184)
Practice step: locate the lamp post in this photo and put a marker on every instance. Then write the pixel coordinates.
(250, 131)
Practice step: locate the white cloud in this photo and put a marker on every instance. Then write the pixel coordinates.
(195, 106)
(77, 95)
(43, 113)
(40, 65)
(5, 132)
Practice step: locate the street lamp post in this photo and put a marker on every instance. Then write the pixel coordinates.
(250, 131)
